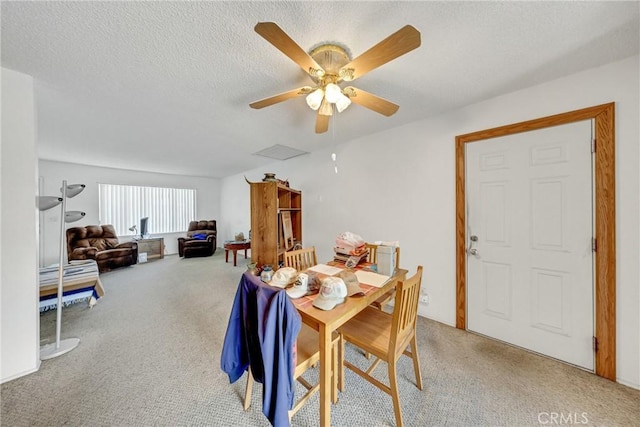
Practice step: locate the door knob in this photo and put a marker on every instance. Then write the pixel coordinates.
(472, 250)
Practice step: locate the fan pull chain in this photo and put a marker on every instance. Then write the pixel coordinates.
(334, 156)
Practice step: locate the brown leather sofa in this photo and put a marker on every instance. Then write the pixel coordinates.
(191, 247)
(100, 243)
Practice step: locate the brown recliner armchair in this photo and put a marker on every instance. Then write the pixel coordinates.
(191, 246)
(100, 243)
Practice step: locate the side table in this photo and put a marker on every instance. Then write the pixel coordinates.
(235, 246)
(152, 246)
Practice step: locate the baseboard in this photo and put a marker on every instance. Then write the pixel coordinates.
(422, 312)
(628, 384)
(21, 374)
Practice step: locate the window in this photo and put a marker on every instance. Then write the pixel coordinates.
(169, 209)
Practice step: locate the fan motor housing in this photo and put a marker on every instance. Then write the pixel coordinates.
(331, 57)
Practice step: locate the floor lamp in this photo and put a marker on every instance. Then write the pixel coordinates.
(61, 347)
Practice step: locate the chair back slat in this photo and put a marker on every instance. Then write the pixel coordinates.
(373, 254)
(405, 312)
(301, 259)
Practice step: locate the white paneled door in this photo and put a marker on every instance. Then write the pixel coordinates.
(530, 228)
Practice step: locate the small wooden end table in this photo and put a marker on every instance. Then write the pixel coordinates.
(152, 246)
(236, 246)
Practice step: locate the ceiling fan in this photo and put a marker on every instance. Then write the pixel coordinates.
(328, 65)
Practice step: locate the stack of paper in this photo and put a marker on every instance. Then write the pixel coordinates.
(370, 278)
(325, 269)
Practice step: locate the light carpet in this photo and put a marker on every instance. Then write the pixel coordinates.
(149, 355)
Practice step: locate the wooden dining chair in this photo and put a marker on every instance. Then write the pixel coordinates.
(301, 259)
(386, 336)
(307, 356)
(373, 258)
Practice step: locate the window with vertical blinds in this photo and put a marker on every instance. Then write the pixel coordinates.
(169, 209)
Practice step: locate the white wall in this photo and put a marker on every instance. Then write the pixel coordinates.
(400, 185)
(53, 173)
(19, 319)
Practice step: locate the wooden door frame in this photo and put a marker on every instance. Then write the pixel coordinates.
(605, 222)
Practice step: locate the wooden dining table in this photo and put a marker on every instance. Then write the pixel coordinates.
(326, 322)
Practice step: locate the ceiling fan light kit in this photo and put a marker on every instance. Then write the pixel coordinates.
(328, 65)
(342, 103)
(314, 99)
(332, 92)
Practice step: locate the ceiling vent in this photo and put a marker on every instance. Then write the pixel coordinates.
(280, 152)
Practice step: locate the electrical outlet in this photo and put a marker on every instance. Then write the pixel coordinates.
(424, 298)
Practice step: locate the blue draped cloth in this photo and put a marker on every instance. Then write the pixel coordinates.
(262, 331)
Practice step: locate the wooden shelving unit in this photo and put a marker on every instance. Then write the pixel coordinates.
(269, 200)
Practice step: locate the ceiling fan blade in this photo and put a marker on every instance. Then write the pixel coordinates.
(274, 35)
(322, 123)
(304, 90)
(397, 44)
(370, 101)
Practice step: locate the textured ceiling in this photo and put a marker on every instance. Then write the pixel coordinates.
(166, 86)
